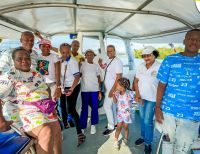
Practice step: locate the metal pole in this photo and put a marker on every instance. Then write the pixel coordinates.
(129, 53)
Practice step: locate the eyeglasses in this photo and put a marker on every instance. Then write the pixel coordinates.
(146, 55)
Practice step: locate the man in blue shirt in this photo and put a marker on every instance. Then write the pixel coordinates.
(178, 96)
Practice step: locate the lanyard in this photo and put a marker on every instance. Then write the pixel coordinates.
(67, 61)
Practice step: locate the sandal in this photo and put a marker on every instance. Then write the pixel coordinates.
(66, 125)
(81, 139)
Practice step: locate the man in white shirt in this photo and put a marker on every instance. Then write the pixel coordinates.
(113, 71)
(27, 42)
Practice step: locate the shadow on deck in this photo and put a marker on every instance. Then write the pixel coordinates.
(99, 144)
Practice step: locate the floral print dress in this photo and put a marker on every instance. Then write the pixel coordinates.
(26, 86)
(124, 106)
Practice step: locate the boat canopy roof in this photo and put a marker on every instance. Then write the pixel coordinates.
(130, 19)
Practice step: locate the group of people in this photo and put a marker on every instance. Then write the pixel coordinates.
(36, 83)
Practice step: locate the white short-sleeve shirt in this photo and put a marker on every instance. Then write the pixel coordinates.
(46, 66)
(115, 67)
(72, 69)
(89, 80)
(148, 82)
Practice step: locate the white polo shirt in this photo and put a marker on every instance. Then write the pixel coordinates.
(89, 80)
(46, 66)
(148, 82)
(115, 67)
(72, 69)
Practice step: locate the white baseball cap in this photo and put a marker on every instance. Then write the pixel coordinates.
(148, 50)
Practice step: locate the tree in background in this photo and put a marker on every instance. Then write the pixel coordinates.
(162, 51)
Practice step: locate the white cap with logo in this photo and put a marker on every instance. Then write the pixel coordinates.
(148, 50)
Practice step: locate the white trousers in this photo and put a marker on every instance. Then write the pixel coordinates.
(110, 108)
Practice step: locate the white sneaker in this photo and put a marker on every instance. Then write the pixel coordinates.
(116, 145)
(124, 142)
(93, 129)
(83, 131)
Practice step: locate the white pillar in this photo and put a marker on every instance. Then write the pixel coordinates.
(80, 39)
(129, 53)
(98, 34)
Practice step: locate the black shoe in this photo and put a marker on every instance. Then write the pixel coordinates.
(139, 142)
(107, 132)
(147, 149)
(71, 123)
(106, 127)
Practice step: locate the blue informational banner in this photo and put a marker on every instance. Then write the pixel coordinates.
(73, 36)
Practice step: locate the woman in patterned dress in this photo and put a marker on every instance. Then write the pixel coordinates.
(26, 85)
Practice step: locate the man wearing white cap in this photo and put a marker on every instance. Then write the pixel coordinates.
(49, 66)
(146, 87)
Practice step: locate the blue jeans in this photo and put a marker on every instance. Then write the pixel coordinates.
(182, 134)
(147, 111)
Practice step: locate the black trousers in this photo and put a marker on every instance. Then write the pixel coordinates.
(71, 107)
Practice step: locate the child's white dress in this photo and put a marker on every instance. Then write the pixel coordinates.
(124, 106)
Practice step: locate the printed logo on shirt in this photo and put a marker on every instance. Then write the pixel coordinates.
(42, 67)
(154, 73)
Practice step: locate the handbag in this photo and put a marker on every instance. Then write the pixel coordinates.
(103, 88)
(45, 105)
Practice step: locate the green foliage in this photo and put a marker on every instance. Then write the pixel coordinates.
(163, 52)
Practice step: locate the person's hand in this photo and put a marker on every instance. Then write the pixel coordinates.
(37, 33)
(5, 125)
(100, 95)
(114, 96)
(111, 93)
(68, 92)
(100, 61)
(57, 94)
(159, 115)
(138, 99)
